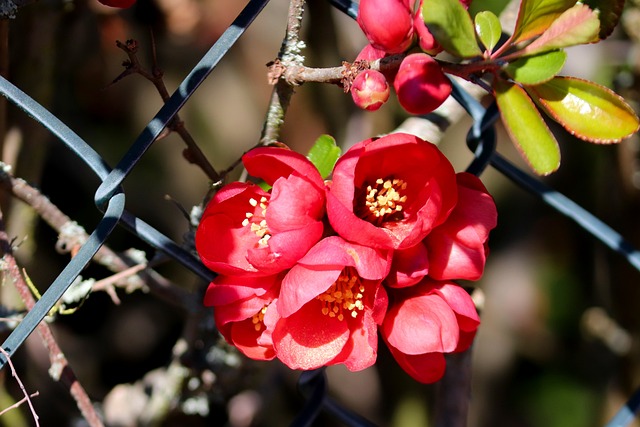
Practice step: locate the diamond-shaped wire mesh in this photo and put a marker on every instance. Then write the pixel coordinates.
(110, 199)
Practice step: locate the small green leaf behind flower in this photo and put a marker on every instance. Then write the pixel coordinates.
(526, 127)
(585, 109)
(452, 27)
(536, 69)
(488, 29)
(324, 154)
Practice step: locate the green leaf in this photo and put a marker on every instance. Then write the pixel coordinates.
(610, 12)
(324, 154)
(526, 127)
(578, 25)
(535, 16)
(536, 69)
(451, 25)
(495, 6)
(488, 29)
(585, 109)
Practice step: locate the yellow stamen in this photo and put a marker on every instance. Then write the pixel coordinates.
(256, 220)
(345, 295)
(258, 318)
(384, 201)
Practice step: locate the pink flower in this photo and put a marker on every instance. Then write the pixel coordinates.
(390, 192)
(458, 248)
(245, 230)
(331, 304)
(424, 322)
(244, 312)
(387, 24)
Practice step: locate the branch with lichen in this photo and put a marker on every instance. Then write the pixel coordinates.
(60, 369)
(72, 236)
(289, 56)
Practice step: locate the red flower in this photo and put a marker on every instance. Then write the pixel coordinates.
(244, 312)
(424, 322)
(458, 248)
(455, 250)
(245, 230)
(390, 192)
(331, 304)
(387, 24)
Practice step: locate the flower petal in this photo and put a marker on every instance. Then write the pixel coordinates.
(409, 266)
(271, 163)
(245, 337)
(228, 289)
(221, 239)
(309, 340)
(420, 323)
(457, 248)
(361, 350)
(426, 368)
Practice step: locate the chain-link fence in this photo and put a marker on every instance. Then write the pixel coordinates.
(110, 199)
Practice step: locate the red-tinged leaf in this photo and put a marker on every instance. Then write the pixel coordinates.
(610, 12)
(585, 109)
(578, 25)
(535, 16)
(527, 129)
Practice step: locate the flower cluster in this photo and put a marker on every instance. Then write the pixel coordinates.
(311, 271)
(392, 27)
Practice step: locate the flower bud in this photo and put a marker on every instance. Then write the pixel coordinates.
(387, 24)
(370, 90)
(420, 84)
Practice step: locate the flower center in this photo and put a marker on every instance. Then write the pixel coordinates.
(256, 220)
(258, 318)
(344, 295)
(384, 201)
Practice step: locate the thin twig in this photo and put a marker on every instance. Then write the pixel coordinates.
(192, 153)
(60, 369)
(27, 397)
(72, 236)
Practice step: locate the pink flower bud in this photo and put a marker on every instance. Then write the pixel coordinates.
(370, 90)
(387, 24)
(420, 84)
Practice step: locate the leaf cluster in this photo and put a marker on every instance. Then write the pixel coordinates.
(523, 70)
